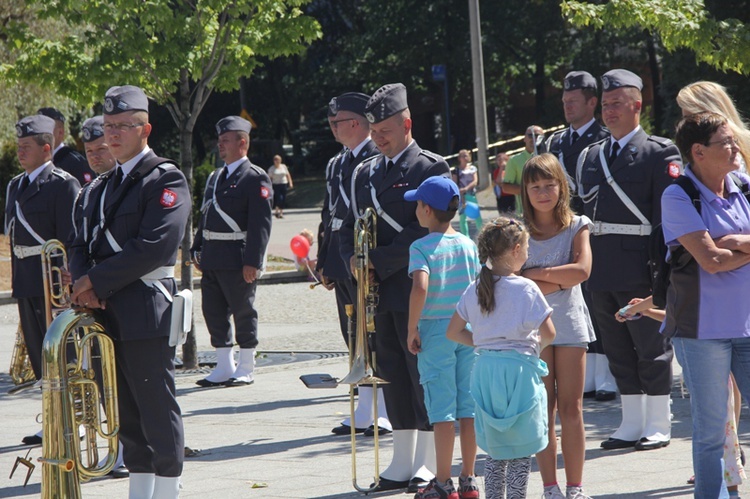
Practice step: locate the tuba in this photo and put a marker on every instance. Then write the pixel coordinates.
(361, 358)
(74, 344)
(75, 352)
(20, 366)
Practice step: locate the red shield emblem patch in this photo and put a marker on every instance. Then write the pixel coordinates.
(264, 192)
(673, 170)
(168, 198)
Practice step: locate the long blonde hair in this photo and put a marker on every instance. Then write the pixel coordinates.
(495, 241)
(708, 96)
(546, 167)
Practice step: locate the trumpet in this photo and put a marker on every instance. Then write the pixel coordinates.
(361, 358)
(71, 398)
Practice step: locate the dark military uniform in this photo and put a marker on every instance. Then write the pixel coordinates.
(45, 205)
(403, 394)
(567, 152)
(244, 196)
(336, 205)
(639, 357)
(74, 163)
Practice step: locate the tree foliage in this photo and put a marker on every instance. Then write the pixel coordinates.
(723, 43)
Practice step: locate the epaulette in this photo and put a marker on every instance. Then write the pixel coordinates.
(257, 169)
(370, 161)
(17, 177)
(429, 154)
(663, 141)
(61, 173)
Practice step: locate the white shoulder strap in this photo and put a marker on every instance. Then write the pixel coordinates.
(29, 229)
(618, 190)
(589, 196)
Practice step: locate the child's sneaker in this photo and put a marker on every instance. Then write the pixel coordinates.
(553, 492)
(437, 491)
(575, 493)
(467, 488)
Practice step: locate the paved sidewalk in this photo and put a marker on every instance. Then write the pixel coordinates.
(272, 439)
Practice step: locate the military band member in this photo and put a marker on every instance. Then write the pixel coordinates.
(579, 104)
(380, 183)
(124, 264)
(230, 250)
(346, 117)
(65, 157)
(37, 209)
(624, 211)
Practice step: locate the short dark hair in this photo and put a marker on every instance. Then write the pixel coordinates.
(696, 129)
(589, 93)
(44, 138)
(444, 216)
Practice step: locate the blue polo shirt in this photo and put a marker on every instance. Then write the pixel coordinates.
(724, 310)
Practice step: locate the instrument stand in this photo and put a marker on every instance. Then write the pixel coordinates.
(26, 462)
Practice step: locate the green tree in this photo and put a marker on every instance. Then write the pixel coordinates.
(723, 43)
(179, 51)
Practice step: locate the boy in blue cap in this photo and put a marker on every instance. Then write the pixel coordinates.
(442, 265)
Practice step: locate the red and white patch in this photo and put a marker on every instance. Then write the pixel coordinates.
(87, 177)
(264, 192)
(168, 198)
(673, 170)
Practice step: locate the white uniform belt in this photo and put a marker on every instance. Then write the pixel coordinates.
(165, 272)
(603, 228)
(224, 236)
(336, 223)
(22, 252)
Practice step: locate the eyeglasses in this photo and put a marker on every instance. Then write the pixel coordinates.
(120, 127)
(728, 142)
(335, 123)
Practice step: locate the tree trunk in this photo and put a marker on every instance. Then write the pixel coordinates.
(189, 349)
(653, 64)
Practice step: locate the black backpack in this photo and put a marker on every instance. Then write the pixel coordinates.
(659, 267)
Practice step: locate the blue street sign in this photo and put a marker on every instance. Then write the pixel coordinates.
(438, 72)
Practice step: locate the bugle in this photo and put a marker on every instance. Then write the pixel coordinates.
(361, 357)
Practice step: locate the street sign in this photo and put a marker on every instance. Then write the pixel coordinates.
(438, 72)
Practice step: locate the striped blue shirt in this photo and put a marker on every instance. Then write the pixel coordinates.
(451, 262)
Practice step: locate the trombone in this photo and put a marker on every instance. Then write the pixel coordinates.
(361, 358)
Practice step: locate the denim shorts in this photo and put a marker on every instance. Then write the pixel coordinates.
(444, 373)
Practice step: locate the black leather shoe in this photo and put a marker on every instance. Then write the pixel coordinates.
(646, 444)
(345, 429)
(616, 443)
(239, 382)
(208, 384)
(415, 484)
(386, 484)
(32, 440)
(604, 396)
(370, 432)
(120, 472)
(589, 395)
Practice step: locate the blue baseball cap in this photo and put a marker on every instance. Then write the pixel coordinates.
(437, 192)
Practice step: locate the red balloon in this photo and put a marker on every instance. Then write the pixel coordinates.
(300, 246)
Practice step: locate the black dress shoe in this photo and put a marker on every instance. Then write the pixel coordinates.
(616, 443)
(120, 472)
(32, 440)
(239, 382)
(386, 484)
(208, 384)
(370, 432)
(646, 444)
(589, 395)
(415, 484)
(345, 429)
(605, 396)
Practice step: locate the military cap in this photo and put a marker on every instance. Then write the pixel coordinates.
(125, 98)
(92, 129)
(619, 78)
(354, 102)
(576, 80)
(233, 123)
(34, 125)
(51, 112)
(385, 102)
